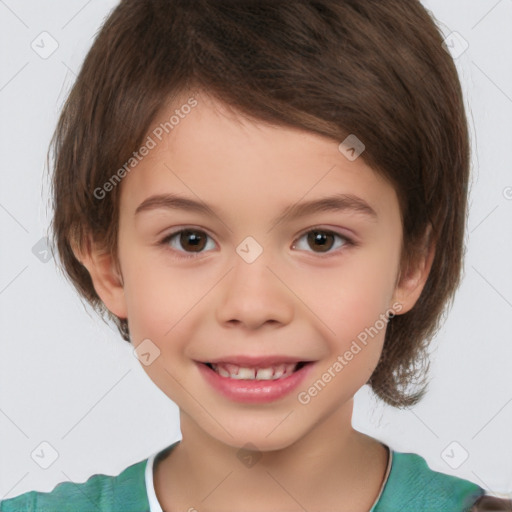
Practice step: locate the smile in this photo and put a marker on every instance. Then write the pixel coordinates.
(274, 372)
(255, 384)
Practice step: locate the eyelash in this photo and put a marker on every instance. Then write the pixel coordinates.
(348, 242)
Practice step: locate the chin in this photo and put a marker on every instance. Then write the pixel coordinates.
(258, 439)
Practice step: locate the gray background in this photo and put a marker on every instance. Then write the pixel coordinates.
(68, 379)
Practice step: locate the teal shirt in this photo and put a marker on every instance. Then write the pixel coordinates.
(411, 487)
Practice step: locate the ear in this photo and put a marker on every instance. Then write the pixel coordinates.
(106, 276)
(412, 279)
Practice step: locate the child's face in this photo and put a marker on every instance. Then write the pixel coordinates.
(199, 299)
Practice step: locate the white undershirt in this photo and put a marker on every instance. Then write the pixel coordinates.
(154, 506)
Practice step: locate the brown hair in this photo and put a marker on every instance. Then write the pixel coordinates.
(334, 67)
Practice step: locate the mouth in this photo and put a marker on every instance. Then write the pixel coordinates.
(255, 380)
(263, 372)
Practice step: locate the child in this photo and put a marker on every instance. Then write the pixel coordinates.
(315, 155)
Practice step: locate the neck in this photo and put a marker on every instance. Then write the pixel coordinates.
(332, 467)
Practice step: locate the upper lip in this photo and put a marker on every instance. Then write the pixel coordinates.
(262, 361)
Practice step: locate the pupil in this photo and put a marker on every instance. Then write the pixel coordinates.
(192, 238)
(320, 238)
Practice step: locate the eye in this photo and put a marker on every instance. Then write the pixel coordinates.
(193, 239)
(323, 240)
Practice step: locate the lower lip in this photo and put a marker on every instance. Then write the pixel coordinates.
(254, 391)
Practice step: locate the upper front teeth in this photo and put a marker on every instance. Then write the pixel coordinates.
(238, 372)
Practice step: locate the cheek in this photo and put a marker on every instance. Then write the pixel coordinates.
(352, 304)
(162, 297)
(349, 297)
(356, 310)
(149, 297)
(159, 308)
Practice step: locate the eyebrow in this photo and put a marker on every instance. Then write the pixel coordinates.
(334, 203)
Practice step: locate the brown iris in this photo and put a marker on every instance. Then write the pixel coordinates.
(196, 239)
(319, 238)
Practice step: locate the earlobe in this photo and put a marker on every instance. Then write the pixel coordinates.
(106, 277)
(411, 281)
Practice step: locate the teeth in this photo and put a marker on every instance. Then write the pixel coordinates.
(246, 373)
(264, 374)
(221, 371)
(243, 373)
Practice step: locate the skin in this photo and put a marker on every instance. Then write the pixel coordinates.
(293, 299)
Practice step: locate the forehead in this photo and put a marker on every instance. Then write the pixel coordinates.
(201, 147)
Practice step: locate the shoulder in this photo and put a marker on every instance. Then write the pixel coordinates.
(126, 492)
(412, 485)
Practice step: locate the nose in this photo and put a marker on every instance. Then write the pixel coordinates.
(254, 294)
